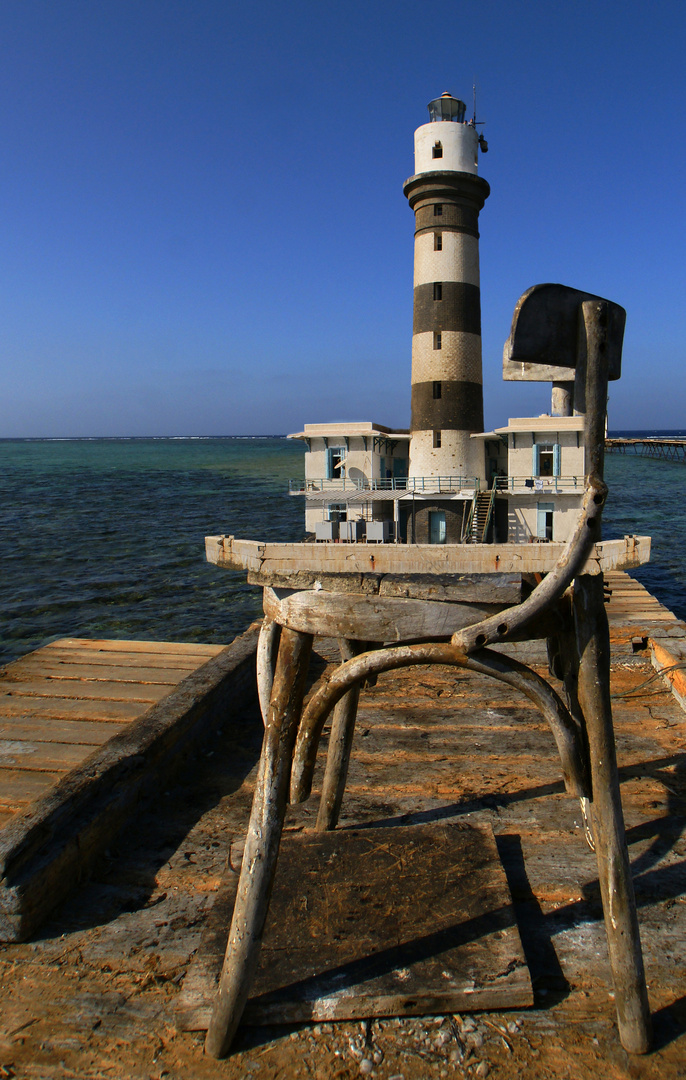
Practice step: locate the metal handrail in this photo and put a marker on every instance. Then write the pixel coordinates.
(535, 484)
(394, 483)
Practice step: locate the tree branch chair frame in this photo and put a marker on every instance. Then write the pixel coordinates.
(556, 325)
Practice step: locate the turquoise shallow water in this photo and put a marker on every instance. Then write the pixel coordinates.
(104, 538)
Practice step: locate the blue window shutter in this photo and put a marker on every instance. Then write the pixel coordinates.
(536, 464)
(556, 459)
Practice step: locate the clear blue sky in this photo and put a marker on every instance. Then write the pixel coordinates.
(202, 225)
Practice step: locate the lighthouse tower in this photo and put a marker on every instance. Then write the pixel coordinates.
(446, 195)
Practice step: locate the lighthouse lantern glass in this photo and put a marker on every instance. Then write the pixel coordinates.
(447, 108)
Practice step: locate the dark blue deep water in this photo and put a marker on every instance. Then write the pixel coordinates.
(104, 537)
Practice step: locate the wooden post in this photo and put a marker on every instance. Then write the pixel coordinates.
(614, 871)
(340, 747)
(262, 842)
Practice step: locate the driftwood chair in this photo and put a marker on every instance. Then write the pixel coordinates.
(552, 325)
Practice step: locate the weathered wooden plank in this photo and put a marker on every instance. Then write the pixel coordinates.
(19, 787)
(465, 588)
(366, 618)
(117, 659)
(76, 688)
(111, 645)
(24, 754)
(398, 921)
(36, 664)
(25, 706)
(48, 729)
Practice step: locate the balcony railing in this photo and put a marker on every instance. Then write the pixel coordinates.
(434, 485)
(534, 485)
(430, 484)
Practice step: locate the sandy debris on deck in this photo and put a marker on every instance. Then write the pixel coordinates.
(94, 996)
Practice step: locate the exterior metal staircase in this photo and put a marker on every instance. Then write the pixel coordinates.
(479, 517)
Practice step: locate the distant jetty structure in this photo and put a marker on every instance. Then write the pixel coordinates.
(659, 448)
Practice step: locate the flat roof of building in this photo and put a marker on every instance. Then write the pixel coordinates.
(357, 427)
(543, 423)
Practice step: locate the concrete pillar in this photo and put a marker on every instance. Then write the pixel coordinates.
(446, 195)
(562, 399)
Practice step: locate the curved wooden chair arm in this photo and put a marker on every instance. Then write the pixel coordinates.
(566, 731)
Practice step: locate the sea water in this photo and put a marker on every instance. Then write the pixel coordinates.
(104, 538)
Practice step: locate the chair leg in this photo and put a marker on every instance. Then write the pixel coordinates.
(614, 872)
(340, 747)
(267, 646)
(262, 841)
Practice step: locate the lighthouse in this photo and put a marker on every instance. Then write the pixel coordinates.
(446, 194)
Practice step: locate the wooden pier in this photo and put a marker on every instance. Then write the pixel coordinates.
(662, 449)
(90, 730)
(62, 701)
(127, 958)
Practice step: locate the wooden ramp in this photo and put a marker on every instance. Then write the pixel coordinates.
(62, 701)
(90, 730)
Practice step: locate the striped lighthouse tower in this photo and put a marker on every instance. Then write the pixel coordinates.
(446, 195)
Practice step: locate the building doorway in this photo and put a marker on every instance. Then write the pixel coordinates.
(437, 532)
(544, 530)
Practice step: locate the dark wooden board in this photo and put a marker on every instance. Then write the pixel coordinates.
(375, 922)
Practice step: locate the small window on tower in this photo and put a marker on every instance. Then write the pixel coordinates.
(438, 241)
(437, 339)
(438, 209)
(438, 290)
(437, 150)
(437, 390)
(437, 440)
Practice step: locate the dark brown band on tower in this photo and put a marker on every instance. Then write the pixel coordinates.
(458, 309)
(448, 187)
(460, 407)
(458, 217)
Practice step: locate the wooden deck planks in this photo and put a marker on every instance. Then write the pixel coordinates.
(631, 602)
(62, 701)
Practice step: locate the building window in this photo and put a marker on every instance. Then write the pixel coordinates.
(336, 512)
(335, 462)
(437, 390)
(438, 290)
(437, 339)
(437, 440)
(438, 241)
(437, 150)
(438, 209)
(546, 459)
